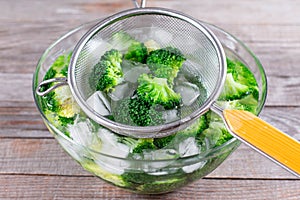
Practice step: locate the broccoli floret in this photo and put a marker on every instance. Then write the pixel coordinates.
(165, 63)
(61, 64)
(142, 113)
(60, 108)
(60, 100)
(120, 112)
(144, 145)
(196, 127)
(162, 186)
(137, 52)
(232, 89)
(65, 120)
(146, 183)
(132, 49)
(107, 73)
(192, 131)
(166, 72)
(243, 75)
(163, 142)
(138, 145)
(157, 91)
(215, 133)
(248, 103)
(134, 111)
(94, 168)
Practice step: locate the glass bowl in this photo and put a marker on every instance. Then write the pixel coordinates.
(158, 174)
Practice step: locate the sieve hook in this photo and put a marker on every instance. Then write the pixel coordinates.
(141, 5)
(58, 82)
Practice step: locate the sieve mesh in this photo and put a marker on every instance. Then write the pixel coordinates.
(167, 28)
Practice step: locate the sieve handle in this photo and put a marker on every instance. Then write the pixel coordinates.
(58, 82)
(263, 137)
(141, 5)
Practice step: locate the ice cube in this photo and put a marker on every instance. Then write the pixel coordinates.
(95, 48)
(189, 92)
(193, 167)
(82, 132)
(110, 144)
(111, 164)
(133, 74)
(121, 91)
(170, 115)
(161, 36)
(188, 147)
(127, 65)
(160, 156)
(99, 103)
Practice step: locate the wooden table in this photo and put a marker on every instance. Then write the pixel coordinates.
(34, 166)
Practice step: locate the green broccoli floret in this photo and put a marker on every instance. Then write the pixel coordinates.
(60, 100)
(120, 112)
(193, 130)
(243, 75)
(215, 133)
(144, 145)
(162, 186)
(142, 113)
(147, 183)
(134, 111)
(107, 73)
(165, 63)
(138, 145)
(137, 52)
(248, 103)
(232, 89)
(163, 142)
(65, 120)
(61, 64)
(157, 91)
(133, 50)
(94, 168)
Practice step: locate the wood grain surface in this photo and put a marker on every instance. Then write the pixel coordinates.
(34, 166)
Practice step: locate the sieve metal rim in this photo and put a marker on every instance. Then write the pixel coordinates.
(147, 131)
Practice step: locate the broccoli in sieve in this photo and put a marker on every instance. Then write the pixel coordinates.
(107, 73)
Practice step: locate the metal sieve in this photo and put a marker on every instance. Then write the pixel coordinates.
(204, 53)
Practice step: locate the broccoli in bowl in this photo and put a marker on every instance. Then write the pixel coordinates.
(153, 95)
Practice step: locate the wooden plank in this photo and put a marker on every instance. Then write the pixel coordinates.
(36, 156)
(61, 187)
(245, 12)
